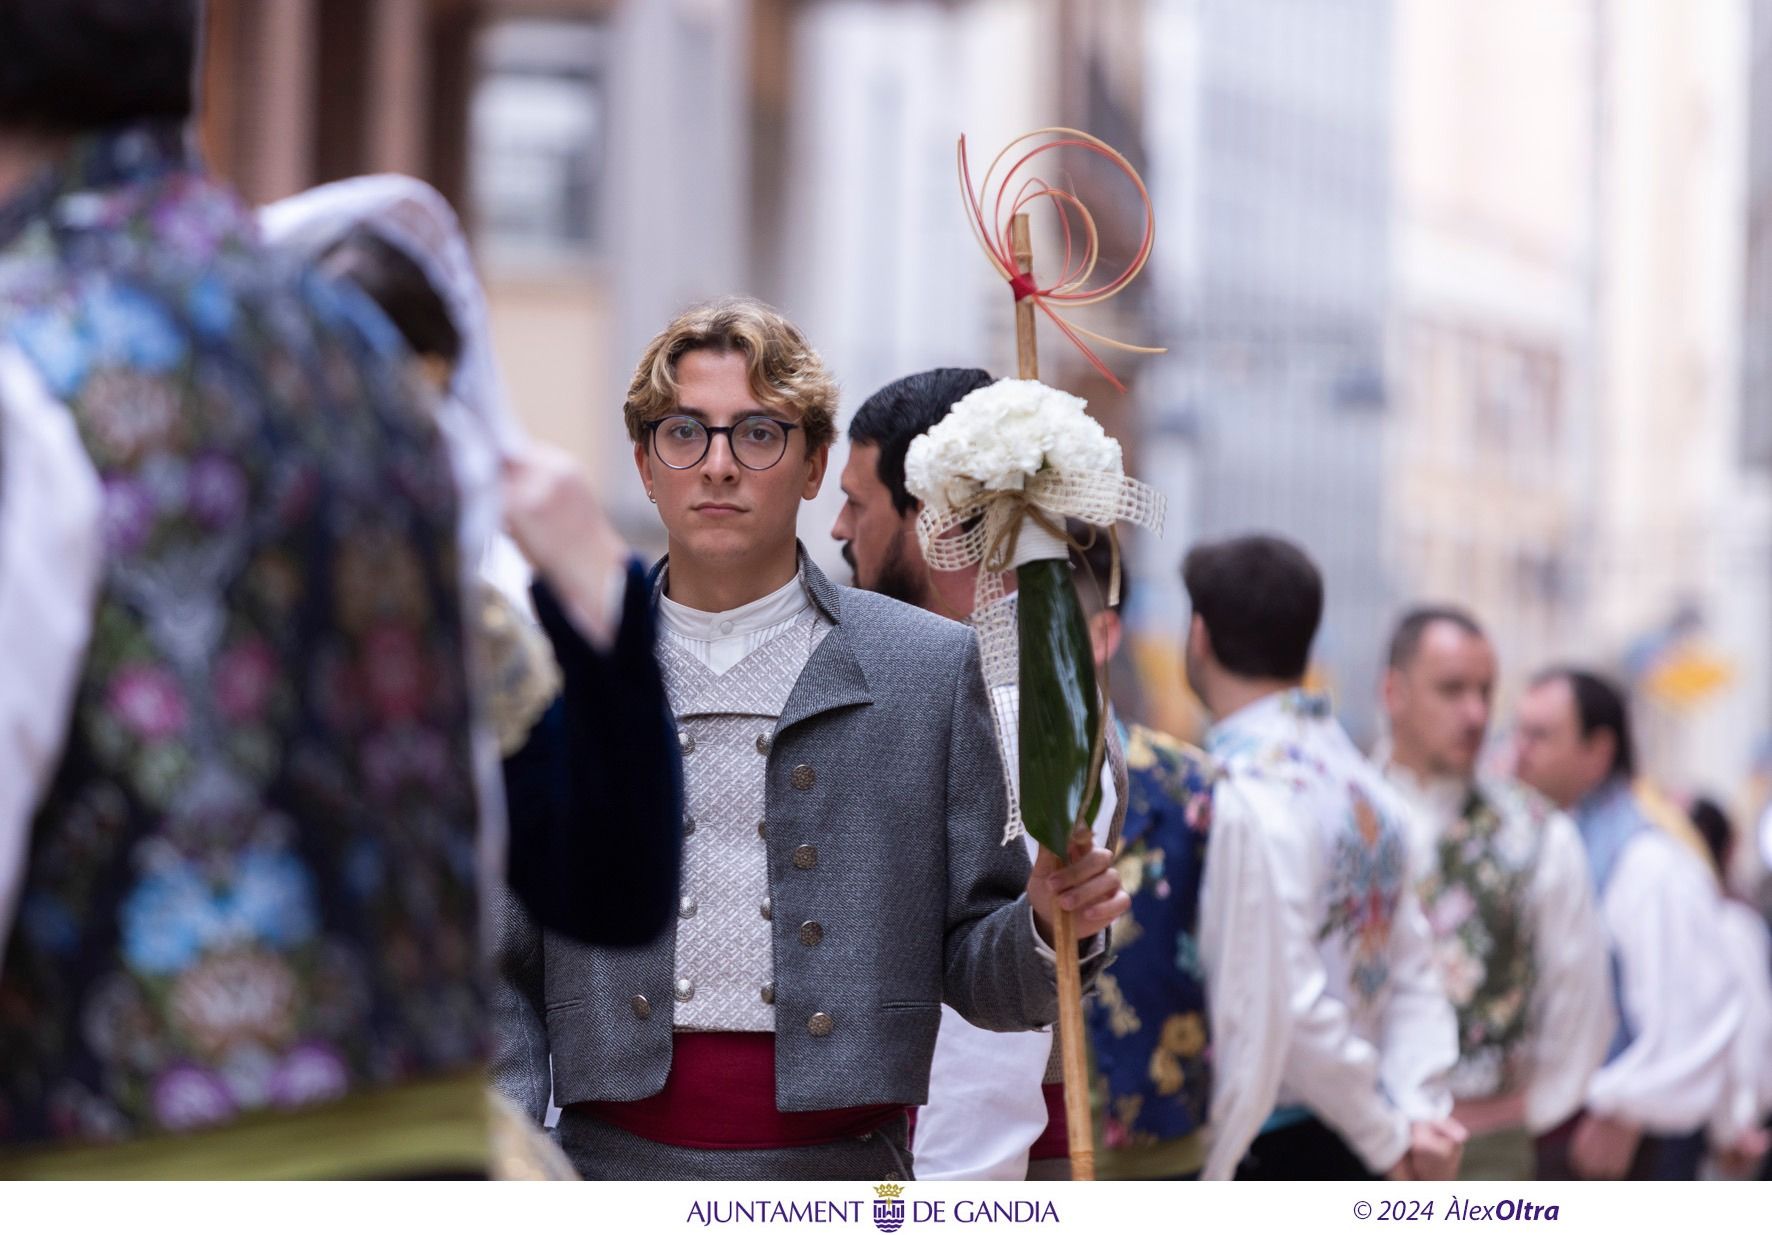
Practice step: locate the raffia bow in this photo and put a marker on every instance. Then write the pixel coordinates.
(1002, 527)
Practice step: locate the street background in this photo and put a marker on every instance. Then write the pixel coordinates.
(1472, 299)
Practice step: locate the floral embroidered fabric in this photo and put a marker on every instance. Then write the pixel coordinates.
(1292, 742)
(1477, 900)
(1148, 1022)
(252, 882)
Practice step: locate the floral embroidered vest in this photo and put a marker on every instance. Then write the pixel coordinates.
(1478, 903)
(252, 882)
(1147, 1023)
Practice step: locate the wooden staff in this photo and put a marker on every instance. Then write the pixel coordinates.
(1027, 347)
(1078, 1124)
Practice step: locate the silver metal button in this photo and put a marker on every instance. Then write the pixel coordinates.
(642, 1006)
(762, 830)
(803, 776)
(686, 740)
(767, 909)
(686, 907)
(689, 825)
(805, 857)
(768, 992)
(763, 743)
(685, 990)
(820, 1024)
(811, 933)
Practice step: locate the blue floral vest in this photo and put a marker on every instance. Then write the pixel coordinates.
(1147, 1023)
(251, 885)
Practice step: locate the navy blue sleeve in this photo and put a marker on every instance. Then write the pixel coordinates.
(595, 796)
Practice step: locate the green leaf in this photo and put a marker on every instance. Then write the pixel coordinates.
(1060, 708)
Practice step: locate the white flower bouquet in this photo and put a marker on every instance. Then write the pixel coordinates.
(997, 477)
(1001, 436)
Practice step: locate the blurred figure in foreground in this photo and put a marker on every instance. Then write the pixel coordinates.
(237, 819)
(571, 699)
(578, 713)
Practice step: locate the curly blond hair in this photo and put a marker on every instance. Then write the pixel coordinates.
(784, 372)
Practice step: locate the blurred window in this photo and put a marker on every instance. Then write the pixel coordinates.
(539, 134)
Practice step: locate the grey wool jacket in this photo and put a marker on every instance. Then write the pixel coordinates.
(884, 763)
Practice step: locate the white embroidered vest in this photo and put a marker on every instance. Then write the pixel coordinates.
(725, 969)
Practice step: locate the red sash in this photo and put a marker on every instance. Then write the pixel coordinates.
(1055, 1142)
(720, 1094)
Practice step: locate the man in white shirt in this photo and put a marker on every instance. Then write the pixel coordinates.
(1369, 1033)
(1503, 880)
(1667, 1066)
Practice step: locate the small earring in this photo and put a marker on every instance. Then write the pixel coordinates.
(651, 498)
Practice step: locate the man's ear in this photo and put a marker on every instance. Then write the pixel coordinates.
(1603, 745)
(1105, 633)
(643, 465)
(1199, 639)
(1392, 689)
(817, 463)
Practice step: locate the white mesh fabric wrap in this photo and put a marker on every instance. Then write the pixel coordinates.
(1098, 498)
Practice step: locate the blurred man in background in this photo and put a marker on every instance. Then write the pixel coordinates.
(1738, 1131)
(1503, 880)
(1369, 1036)
(1668, 1062)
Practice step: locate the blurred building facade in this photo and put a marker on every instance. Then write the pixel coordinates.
(1679, 565)
(1493, 338)
(1269, 155)
(1570, 459)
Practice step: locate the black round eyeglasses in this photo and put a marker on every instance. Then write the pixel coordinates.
(757, 441)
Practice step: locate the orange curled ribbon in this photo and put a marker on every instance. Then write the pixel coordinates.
(1071, 288)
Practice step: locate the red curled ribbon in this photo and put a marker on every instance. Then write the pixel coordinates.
(1071, 288)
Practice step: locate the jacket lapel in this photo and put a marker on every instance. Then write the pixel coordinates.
(833, 678)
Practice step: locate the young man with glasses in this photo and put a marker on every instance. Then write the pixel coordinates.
(843, 867)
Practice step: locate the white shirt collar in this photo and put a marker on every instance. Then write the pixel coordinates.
(786, 602)
(1266, 715)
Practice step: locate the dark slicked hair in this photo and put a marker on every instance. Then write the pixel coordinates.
(897, 413)
(1412, 628)
(71, 65)
(1092, 567)
(399, 288)
(1599, 706)
(1719, 835)
(1261, 599)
